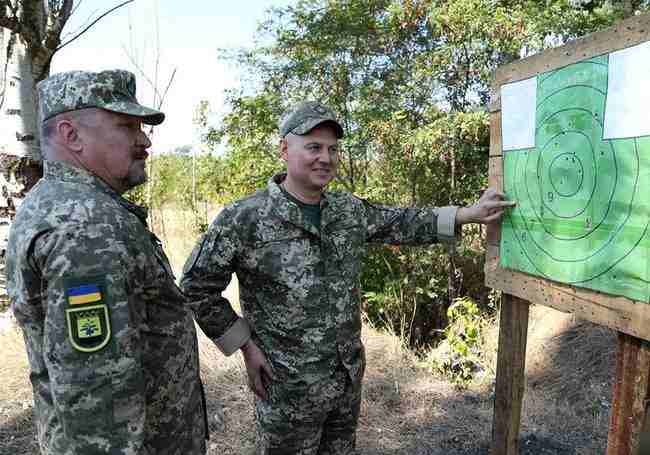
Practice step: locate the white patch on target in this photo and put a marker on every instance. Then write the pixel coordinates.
(628, 93)
(518, 106)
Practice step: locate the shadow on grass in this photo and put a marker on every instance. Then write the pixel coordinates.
(463, 426)
(18, 434)
(565, 409)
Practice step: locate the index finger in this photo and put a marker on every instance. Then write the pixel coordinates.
(499, 204)
(491, 193)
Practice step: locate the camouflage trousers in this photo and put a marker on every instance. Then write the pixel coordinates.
(317, 418)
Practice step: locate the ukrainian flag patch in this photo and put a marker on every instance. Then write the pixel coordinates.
(87, 316)
(87, 293)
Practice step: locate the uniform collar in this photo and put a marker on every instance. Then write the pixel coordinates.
(60, 170)
(286, 209)
(333, 208)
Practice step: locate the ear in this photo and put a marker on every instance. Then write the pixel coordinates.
(68, 135)
(284, 149)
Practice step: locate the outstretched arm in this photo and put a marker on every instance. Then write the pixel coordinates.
(488, 209)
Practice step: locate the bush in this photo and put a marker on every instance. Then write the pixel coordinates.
(408, 290)
(458, 356)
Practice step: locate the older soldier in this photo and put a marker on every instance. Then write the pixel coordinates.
(297, 252)
(112, 348)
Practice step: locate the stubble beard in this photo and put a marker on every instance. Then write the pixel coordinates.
(136, 175)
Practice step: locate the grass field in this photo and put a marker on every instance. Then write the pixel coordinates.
(405, 409)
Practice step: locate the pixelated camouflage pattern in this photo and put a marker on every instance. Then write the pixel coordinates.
(113, 90)
(298, 287)
(304, 117)
(309, 420)
(141, 393)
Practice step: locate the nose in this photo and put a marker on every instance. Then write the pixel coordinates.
(325, 157)
(144, 140)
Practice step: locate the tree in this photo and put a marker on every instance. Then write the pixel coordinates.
(30, 35)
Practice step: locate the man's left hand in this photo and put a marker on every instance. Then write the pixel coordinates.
(258, 369)
(488, 209)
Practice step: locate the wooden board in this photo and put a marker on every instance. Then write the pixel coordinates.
(619, 313)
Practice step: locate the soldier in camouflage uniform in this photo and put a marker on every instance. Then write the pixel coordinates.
(297, 251)
(111, 343)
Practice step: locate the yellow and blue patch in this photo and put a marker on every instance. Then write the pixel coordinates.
(87, 316)
(88, 293)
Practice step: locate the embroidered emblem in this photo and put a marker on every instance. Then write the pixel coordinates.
(89, 327)
(86, 314)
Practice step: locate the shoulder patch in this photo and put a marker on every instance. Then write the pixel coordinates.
(87, 293)
(87, 316)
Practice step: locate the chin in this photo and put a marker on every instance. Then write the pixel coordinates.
(136, 180)
(321, 185)
(323, 180)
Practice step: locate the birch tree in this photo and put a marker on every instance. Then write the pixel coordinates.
(30, 35)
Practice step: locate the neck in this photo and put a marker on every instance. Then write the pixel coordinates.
(303, 195)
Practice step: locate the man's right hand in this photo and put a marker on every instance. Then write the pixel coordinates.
(258, 369)
(489, 209)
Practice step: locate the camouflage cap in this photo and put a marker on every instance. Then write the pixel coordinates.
(113, 90)
(306, 116)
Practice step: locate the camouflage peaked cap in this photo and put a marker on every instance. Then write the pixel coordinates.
(113, 90)
(306, 116)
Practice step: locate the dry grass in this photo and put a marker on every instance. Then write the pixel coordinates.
(16, 429)
(175, 227)
(405, 409)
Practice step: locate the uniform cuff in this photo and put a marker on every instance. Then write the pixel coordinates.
(447, 224)
(234, 338)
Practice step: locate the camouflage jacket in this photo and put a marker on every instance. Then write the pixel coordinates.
(111, 344)
(298, 287)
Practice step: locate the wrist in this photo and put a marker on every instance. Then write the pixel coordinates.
(246, 346)
(462, 217)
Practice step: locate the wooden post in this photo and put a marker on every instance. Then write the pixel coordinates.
(644, 443)
(630, 395)
(511, 362)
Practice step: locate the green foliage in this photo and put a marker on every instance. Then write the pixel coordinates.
(459, 355)
(252, 154)
(402, 286)
(410, 80)
(183, 180)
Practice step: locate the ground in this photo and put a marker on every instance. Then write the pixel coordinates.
(406, 409)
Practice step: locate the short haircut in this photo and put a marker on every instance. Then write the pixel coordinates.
(48, 126)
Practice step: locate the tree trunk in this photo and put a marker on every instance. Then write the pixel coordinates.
(16, 150)
(29, 37)
(22, 115)
(19, 135)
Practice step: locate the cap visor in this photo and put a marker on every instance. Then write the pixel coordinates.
(149, 116)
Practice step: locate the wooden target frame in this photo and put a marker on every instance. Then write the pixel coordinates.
(630, 318)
